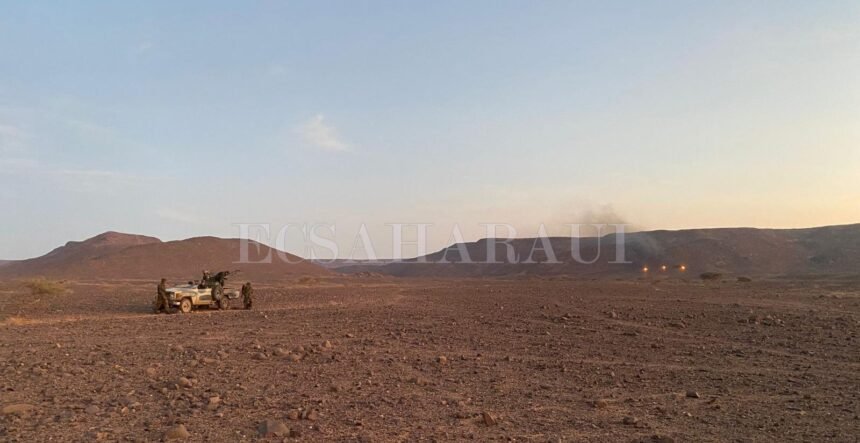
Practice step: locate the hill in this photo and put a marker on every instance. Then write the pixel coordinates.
(741, 251)
(113, 256)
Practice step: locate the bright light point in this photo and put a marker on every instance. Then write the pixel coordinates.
(683, 268)
(663, 268)
(645, 269)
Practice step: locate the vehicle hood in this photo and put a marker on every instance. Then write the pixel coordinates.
(182, 288)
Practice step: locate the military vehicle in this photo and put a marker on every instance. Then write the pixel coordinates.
(209, 293)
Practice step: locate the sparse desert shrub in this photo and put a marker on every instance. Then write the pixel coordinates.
(41, 286)
(744, 279)
(307, 280)
(710, 276)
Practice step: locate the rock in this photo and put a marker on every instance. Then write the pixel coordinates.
(295, 357)
(17, 409)
(442, 360)
(654, 439)
(222, 354)
(258, 356)
(294, 414)
(151, 372)
(92, 410)
(281, 352)
(489, 419)
(272, 428)
(208, 361)
(350, 335)
(177, 432)
(213, 404)
(313, 415)
(418, 381)
(97, 436)
(177, 348)
(630, 420)
(327, 344)
(693, 394)
(600, 403)
(184, 383)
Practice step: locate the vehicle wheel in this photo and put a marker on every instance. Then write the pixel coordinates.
(217, 292)
(185, 305)
(224, 304)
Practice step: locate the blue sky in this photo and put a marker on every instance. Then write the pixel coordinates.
(137, 117)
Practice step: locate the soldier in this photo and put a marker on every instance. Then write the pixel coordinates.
(161, 303)
(204, 283)
(247, 294)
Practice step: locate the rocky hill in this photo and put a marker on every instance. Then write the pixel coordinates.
(742, 251)
(118, 256)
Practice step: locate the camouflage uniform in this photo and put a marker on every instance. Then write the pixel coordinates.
(204, 283)
(247, 294)
(161, 302)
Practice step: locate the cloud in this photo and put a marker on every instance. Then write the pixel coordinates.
(97, 174)
(12, 139)
(89, 180)
(9, 131)
(323, 136)
(17, 165)
(177, 216)
(276, 70)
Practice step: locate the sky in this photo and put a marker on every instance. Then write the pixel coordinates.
(181, 119)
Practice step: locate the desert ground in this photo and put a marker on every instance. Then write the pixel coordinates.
(387, 359)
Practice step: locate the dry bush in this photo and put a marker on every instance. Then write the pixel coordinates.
(41, 286)
(710, 276)
(307, 281)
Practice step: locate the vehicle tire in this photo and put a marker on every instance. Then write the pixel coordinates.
(185, 305)
(224, 304)
(217, 292)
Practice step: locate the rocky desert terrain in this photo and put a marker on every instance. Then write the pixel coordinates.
(343, 358)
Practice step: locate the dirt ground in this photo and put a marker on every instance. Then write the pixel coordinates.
(382, 359)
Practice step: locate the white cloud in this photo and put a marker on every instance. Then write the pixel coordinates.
(17, 165)
(12, 139)
(71, 179)
(323, 136)
(9, 131)
(177, 216)
(276, 70)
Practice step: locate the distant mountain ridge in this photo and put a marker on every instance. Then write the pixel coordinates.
(741, 251)
(114, 255)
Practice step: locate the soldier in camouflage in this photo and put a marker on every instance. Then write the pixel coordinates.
(247, 295)
(161, 302)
